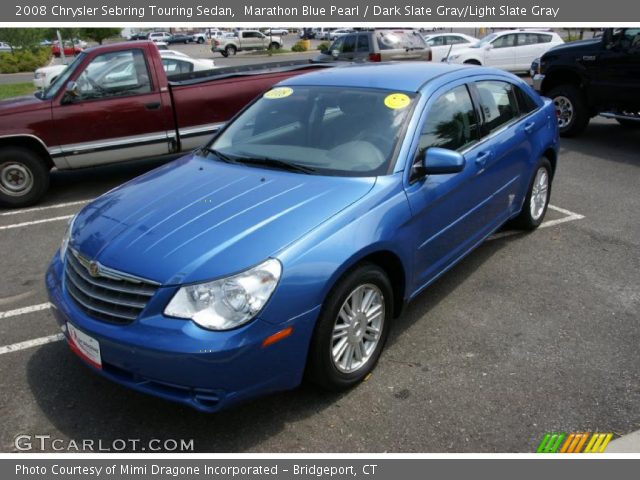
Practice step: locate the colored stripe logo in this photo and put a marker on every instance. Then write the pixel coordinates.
(574, 442)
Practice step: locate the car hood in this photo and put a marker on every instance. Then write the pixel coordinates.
(196, 218)
(21, 104)
(578, 46)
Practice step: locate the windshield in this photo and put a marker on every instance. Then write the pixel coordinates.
(62, 79)
(324, 130)
(485, 40)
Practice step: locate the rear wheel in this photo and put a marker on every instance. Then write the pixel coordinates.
(537, 199)
(352, 328)
(274, 46)
(472, 62)
(24, 177)
(230, 50)
(571, 109)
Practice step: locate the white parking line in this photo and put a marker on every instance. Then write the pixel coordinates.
(39, 209)
(22, 311)
(35, 222)
(570, 217)
(31, 343)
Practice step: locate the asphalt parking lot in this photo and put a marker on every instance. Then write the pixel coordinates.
(530, 333)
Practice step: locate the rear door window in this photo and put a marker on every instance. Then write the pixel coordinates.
(498, 103)
(399, 39)
(349, 44)
(363, 43)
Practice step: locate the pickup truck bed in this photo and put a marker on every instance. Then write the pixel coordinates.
(115, 103)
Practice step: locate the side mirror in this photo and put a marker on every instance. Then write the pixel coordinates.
(71, 93)
(335, 53)
(488, 46)
(440, 161)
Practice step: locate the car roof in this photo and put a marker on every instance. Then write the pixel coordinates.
(404, 76)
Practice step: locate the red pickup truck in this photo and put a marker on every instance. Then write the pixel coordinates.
(116, 103)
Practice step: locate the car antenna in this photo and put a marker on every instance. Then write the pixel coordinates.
(449, 52)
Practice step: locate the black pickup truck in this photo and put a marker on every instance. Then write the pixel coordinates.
(591, 77)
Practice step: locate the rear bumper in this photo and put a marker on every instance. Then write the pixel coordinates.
(179, 361)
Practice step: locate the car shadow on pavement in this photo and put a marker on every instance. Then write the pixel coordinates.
(82, 405)
(604, 137)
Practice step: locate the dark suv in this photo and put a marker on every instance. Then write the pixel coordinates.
(378, 45)
(591, 77)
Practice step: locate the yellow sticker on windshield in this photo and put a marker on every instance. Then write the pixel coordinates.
(397, 100)
(280, 92)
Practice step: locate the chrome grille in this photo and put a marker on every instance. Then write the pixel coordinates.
(106, 294)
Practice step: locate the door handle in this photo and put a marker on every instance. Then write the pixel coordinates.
(152, 106)
(528, 127)
(482, 158)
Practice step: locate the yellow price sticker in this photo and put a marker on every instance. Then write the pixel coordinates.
(396, 101)
(277, 93)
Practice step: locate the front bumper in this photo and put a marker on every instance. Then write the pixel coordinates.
(537, 82)
(179, 361)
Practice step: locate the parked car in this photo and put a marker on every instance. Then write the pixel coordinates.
(5, 47)
(159, 36)
(180, 64)
(444, 44)
(199, 37)
(80, 43)
(179, 38)
(245, 40)
(323, 33)
(277, 31)
(214, 33)
(268, 254)
(338, 32)
(114, 103)
(43, 77)
(511, 50)
(69, 48)
(139, 36)
(377, 46)
(591, 77)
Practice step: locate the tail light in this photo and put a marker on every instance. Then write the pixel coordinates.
(216, 43)
(375, 57)
(429, 56)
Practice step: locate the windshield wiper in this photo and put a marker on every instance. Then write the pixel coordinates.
(274, 162)
(219, 154)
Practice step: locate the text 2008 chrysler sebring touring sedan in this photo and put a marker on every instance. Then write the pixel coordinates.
(291, 241)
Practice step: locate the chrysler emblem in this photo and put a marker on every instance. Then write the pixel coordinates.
(94, 269)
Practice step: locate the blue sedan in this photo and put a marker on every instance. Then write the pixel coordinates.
(286, 246)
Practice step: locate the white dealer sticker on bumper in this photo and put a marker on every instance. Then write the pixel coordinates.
(85, 346)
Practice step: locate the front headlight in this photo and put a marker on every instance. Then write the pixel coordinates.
(38, 75)
(64, 245)
(228, 302)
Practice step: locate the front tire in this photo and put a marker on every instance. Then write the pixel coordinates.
(352, 329)
(537, 199)
(24, 177)
(571, 110)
